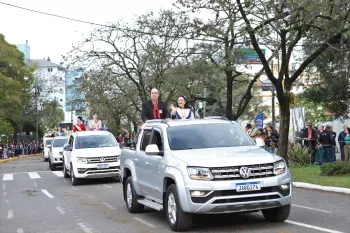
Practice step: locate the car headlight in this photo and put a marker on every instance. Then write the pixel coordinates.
(279, 167)
(118, 158)
(81, 160)
(199, 173)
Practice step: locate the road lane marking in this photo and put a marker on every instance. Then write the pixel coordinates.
(145, 222)
(313, 227)
(89, 195)
(108, 186)
(10, 214)
(35, 184)
(109, 206)
(34, 175)
(7, 177)
(60, 210)
(309, 208)
(84, 228)
(47, 193)
(20, 230)
(58, 173)
(74, 188)
(3, 186)
(5, 194)
(21, 173)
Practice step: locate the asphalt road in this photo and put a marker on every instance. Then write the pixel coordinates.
(34, 199)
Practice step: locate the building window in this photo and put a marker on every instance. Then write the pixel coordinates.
(49, 69)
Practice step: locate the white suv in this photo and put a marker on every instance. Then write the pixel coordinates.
(56, 152)
(91, 154)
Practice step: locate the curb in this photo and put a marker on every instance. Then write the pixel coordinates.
(16, 158)
(323, 188)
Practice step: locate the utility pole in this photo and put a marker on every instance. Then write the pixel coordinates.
(273, 101)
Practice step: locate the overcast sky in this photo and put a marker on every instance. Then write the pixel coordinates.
(52, 37)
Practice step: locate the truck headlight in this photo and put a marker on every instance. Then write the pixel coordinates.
(279, 167)
(199, 173)
(81, 160)
(118, 158)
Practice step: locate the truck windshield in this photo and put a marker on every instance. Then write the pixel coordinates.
(59, 142)
(200, 136)
(95, 141)
(48, 142)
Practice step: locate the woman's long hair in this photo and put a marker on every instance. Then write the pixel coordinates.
(186, 104)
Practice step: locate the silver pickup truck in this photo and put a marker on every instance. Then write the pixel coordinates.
(206, 166)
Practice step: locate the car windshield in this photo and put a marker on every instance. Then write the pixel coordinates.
(48, 141)
(95, 141)
(207, 136)
(59, 142)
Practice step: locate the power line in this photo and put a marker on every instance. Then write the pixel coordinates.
(108, 26)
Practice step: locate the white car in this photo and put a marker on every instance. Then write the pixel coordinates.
(46, 147)
(56, 152)
(91, 154)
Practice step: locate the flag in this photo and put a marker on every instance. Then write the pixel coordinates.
(259, 120)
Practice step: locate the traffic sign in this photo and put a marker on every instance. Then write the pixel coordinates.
(293, 100)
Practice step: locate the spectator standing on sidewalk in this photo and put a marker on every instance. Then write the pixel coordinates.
(310, 137)
(327, 141)
(341, 142)
(255, 132)
(346, 144)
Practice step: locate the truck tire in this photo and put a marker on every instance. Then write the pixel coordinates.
(279, 214)
(75, 181)
(177, 219)
(131, 197)
(65, 173)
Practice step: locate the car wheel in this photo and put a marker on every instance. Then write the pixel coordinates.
(177, 219)
(52, 167)
(45, 159)
(131, 197)
(75, 181)
(279, 214)
(65, 173)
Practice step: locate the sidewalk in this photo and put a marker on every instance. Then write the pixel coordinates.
(20, 157)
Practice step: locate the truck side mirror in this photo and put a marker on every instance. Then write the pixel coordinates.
(152, 150)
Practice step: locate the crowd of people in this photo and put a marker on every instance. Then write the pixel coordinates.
(12, 149)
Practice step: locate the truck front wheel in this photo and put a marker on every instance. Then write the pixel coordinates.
(279, 214)
(177, 219)
(131, 197)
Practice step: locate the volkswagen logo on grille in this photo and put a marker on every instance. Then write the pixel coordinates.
(102, 159)
(244, 172)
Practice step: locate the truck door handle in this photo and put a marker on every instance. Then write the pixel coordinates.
(147, 163)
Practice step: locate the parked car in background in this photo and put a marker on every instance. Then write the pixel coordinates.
(47, 140)
(56, 152)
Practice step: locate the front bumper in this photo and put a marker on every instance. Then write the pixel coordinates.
(223, 197)
(57, 159)
(91, 171)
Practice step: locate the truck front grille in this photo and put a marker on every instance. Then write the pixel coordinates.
(232, 173)
(109, 159)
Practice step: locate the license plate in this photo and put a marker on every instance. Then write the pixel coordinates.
(102, 166)
(249, 186)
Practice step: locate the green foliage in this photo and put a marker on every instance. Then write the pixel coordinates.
(314, 111)
(336, 168)
(5, 128)
(52, 114)
(299, 156)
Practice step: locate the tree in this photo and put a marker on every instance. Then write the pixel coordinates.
(15, 79)
(314, 111)
(293, 23)
(52, 114)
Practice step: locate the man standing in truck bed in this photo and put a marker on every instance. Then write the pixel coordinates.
(154, 108)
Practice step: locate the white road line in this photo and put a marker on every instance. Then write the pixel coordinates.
(3, 186)
(89, 195)
(312, 227)
(109, 206)
(20, 230)
(47, 193)
(74, 188)
(59, 209)
(10, 214)
(35, 184)
(58, 173)
(84, 228)
(8, 177)
(5, 194)
(309, 208)
(108, 186)
(145, 222)
(21, 173)
(34, 175)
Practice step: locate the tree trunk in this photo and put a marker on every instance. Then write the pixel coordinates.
(284, 117)
(229, 88)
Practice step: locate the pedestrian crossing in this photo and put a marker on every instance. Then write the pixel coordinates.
(31, 175)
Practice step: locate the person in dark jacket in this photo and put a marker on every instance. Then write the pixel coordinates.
(327, 141)
(154, 108)
(310, 139)
(341, 141)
